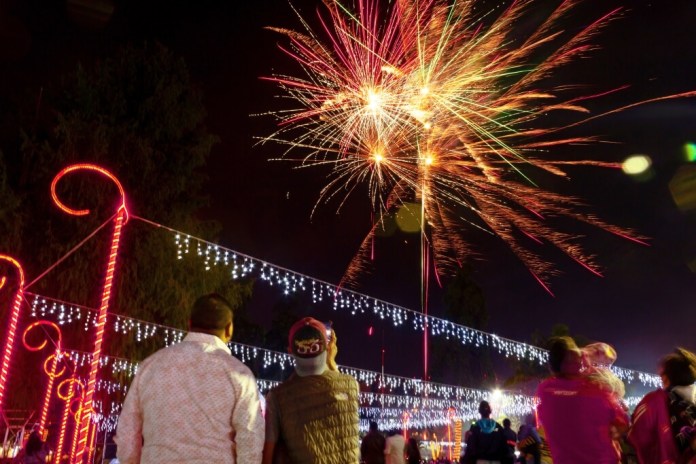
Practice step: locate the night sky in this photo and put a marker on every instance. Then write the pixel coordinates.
(644, 304)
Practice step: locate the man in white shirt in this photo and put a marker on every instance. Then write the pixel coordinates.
(395, 447)
(193, 402)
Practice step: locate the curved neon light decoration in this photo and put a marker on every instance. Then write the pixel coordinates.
(52, 359)
(84, 442)
(83, 167)
(67, 397)
(12, 324)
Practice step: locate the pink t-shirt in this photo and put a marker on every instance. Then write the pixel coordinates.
(577, 416)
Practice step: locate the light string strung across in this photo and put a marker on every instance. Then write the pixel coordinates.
(243, 265)
(417, 393)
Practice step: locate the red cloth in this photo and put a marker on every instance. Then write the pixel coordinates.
(577, 415)
(650, 433)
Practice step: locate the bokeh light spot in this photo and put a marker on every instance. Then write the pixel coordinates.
(408, 217)
(690, 151)
(636, 164)
(683, 188)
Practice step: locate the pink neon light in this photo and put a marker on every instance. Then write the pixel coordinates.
(76, 429)
(52, 359)
(84, 440)
(96, 354)
(66, 413)
(88, 167)
(12, 326)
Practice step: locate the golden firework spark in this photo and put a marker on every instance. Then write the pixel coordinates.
(442, 103)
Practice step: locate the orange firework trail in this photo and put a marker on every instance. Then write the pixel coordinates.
(440, 103)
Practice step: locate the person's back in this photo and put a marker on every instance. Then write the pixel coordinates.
(576, 413)
(664, 422)
(192, 402)
(318, 421)
(487, 442)
(372, 446)
(510, 442)
(183, 371)
(35, 451)
(577, 416)
(395, 448)
(413, 455)
(313, 416)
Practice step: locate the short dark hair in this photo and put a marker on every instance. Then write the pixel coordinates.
(373, 426)
(679, 367)
(485, 409)
(211, 312)
(506, 422)
(558, 348)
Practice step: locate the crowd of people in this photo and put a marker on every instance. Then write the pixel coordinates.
(195, 403)
(585, 421)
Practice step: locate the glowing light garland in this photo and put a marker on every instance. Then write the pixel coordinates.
(247, 354)
(84, 438)
(242, 265)
(13, 318)
(433, 400)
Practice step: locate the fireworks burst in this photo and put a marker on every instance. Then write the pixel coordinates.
(441, 104)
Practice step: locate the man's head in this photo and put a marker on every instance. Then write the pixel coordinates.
(212, 314)
(565, 358)
(678, 368)
(307, 342)
(507, 423)
(373, 426)
(485, 409)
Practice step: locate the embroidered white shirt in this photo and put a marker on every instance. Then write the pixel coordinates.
(192, 402)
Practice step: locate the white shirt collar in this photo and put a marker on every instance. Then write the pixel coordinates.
(201, 337)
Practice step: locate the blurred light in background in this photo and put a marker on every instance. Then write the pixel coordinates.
(690, 151)
(683, 188)
(636, 165)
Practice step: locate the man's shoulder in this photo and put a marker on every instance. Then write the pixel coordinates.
(658, 396)
(345, 377)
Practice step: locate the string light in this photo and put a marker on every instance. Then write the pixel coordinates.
(289, 281)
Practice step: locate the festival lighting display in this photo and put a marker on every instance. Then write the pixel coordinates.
(52, 361)
(428, 403)
(13, 319)
(84, 446)
(447, 104)
(46, 307)
(288, 281)
(68, 397)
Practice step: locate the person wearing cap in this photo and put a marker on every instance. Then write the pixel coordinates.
(576, 413)
(312, 417)
(193, 402)
(664, 420)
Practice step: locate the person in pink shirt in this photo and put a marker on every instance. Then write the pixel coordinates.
(662, 429)
(576, 413)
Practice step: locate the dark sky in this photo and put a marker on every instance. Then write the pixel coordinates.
(645, 303)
